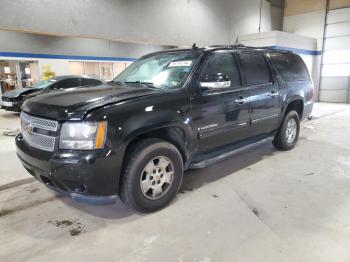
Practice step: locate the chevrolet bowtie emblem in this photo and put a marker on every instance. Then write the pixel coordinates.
(28, 128)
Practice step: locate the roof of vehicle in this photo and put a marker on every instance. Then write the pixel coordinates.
(222, 47)
(58, 78)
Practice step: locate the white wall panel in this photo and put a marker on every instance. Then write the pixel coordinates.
(336, 70)
(309, 24)
(335, 83)
(339, 15)
(338, 96)
(339, 29)
(336, 57)
(338, 43)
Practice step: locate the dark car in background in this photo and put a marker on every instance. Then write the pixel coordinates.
(13, 100)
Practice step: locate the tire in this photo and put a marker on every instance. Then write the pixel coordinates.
(145, 158)
(286, 141)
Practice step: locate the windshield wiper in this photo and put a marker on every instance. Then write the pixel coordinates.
(148, 84)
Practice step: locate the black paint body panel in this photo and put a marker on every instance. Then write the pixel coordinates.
(207, 120)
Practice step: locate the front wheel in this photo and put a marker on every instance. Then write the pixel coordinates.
(288, 134)
(152, 176)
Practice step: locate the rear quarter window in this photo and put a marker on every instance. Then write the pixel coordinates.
(90, 82)
(291, 67)
(68, 83)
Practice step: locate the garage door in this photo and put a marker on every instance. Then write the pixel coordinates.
(335, 76)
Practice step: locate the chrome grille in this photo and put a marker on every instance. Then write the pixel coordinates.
(41, 123)
(30, 127)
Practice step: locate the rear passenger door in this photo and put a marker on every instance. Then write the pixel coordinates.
(263, 92)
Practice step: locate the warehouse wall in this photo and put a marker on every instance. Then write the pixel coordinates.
(308, 18)
(12, 41)
(57, 51)
(57, 33)
(168, 22)
(305, 17)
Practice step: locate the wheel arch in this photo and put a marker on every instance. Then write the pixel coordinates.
(296, 103)
(174, 134)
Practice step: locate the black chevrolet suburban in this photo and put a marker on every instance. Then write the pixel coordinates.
(167, 112)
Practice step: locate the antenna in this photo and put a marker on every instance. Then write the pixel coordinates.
(194, 46)
(260, 16)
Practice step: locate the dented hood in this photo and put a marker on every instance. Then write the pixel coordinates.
(74, 104)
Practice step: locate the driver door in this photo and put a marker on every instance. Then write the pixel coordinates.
(221, 107)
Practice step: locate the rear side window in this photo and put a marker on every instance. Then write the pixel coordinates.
(223, 64)
(90, 82)
(290, 66)
(68, 83)
(256, 69)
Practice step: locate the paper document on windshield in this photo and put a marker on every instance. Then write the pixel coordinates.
(180, 63)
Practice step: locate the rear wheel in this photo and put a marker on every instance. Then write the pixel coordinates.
(153, 175)
(288, 134)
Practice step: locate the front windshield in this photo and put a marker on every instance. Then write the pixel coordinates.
(164, 71)
(43, 83)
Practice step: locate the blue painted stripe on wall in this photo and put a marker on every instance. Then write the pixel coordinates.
(128, 59)
(297, 50)
(67, 57)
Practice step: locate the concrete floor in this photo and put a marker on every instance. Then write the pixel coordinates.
(264, 205)
(10, 171)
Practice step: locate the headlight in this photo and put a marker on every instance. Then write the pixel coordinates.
(83, 136)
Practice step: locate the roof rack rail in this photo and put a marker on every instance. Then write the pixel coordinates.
(219, 46)
(244, 47)
(235, 46)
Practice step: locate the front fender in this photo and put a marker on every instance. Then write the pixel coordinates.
(141, 124)
(128, 120)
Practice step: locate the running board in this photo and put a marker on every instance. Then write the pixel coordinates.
(220, 157)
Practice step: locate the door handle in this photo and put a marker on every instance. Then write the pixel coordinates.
(273, 93)
(240, 100)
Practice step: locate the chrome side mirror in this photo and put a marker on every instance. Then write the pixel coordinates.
(215, 85)
(215, 81)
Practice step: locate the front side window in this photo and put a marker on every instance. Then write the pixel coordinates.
(222, 67)
(163, 71)
(256, 69)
